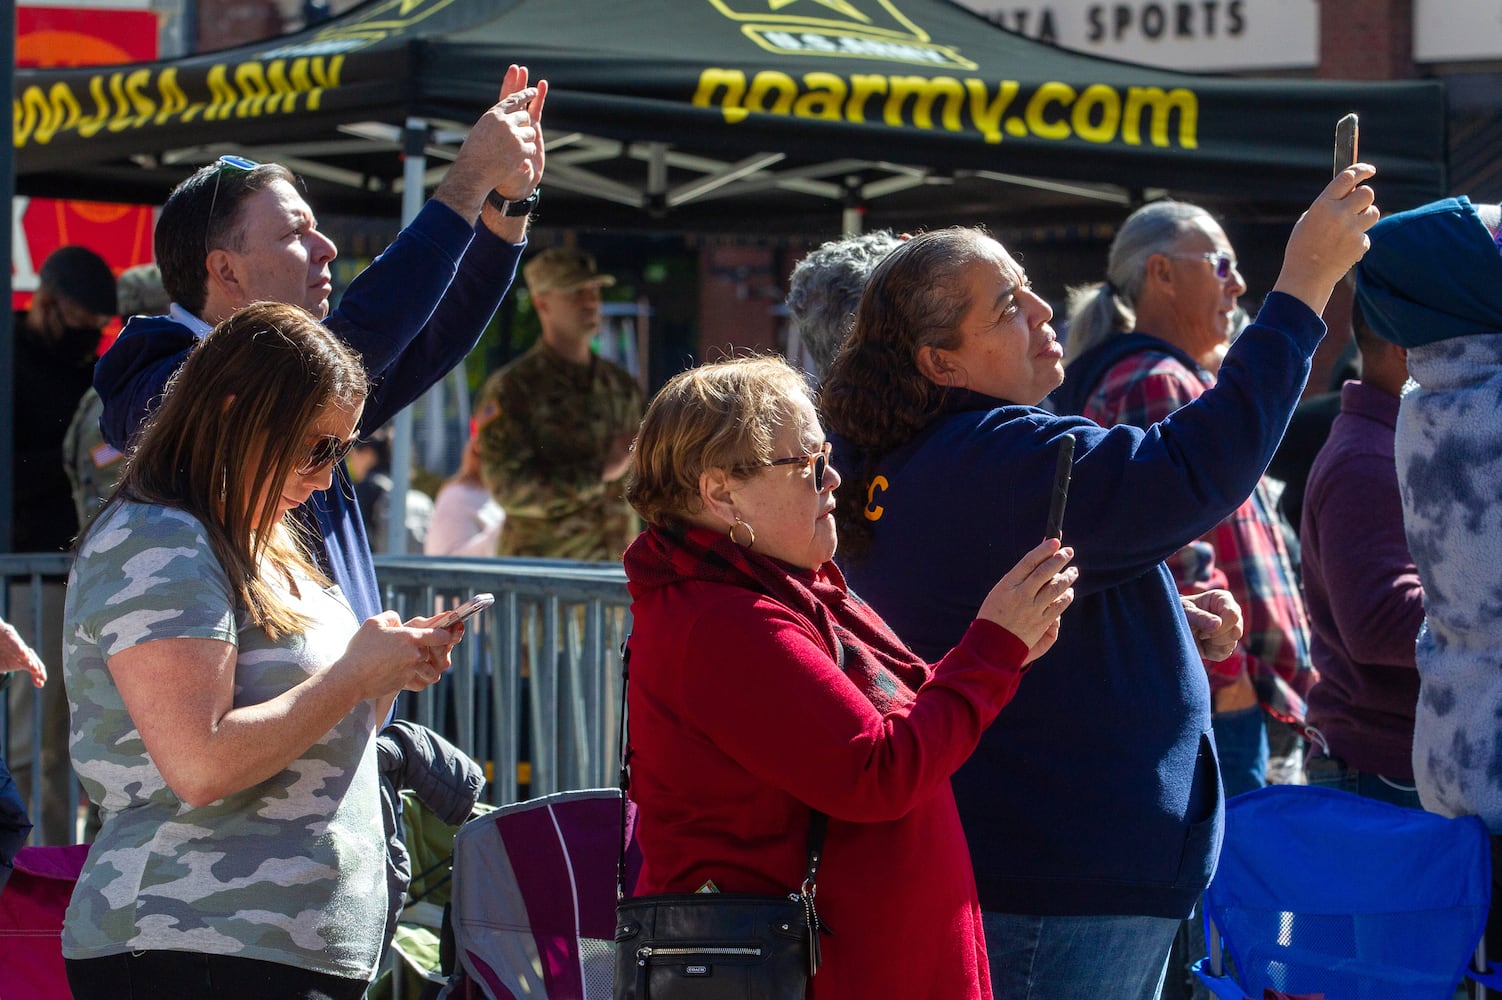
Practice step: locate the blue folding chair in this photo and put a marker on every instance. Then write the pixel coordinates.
(1320, 891)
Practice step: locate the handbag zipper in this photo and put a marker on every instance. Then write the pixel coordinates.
(649, 951)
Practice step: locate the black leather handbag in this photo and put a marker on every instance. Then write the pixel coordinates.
(713, 945)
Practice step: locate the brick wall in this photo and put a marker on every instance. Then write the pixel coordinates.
(1366, 39)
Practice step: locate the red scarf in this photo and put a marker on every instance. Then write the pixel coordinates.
(860, 643)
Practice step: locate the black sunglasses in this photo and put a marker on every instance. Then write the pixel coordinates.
(327, 450)
(818, 461)
(236, 163)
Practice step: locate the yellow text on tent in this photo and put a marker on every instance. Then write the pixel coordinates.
(1097, 113)
(135, 98)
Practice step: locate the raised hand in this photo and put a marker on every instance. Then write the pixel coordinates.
(1330, 237)
(504, 151)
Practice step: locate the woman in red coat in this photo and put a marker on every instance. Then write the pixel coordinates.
(762, 689)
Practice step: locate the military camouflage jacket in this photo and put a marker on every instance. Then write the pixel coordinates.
(292, 870)
(544, 454)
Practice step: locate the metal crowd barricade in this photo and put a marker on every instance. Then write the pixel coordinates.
(534, 689)
(544, 661)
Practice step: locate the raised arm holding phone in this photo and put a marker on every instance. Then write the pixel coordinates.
(1093, 809)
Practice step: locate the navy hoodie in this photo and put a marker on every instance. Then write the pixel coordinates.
(412, 315)
(1097, 790)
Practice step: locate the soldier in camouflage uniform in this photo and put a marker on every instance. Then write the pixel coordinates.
(93, 465)
(555, 456)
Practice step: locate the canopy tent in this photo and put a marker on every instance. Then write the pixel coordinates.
(750, 115)
(754, 116)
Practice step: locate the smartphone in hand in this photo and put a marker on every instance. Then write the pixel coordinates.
(468, 609)
(1062, 470)
(1347, 130)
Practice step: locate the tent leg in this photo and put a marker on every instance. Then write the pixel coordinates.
(413, 196)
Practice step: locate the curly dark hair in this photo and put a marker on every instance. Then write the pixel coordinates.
(875, 397)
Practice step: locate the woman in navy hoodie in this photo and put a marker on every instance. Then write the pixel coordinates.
(1093, 810)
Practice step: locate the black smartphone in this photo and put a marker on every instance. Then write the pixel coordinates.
(1061, 472)
(1347, 130)
(468, 609)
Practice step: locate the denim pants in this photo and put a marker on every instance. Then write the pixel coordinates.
(1241, 745)
(1331, 772)
(1073, 958)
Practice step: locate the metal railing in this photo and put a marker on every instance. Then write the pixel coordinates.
(534, 690)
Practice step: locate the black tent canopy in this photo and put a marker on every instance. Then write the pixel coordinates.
(753, 115)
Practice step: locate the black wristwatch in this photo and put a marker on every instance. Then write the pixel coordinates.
(514, 209)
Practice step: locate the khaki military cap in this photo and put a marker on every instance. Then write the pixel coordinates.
(559, 269)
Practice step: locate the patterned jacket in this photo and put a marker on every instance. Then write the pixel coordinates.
(543, 456)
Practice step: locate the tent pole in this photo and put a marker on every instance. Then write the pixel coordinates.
(850, 221)
(852, 216)
(413, 196)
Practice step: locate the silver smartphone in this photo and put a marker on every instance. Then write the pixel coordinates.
(469, 608)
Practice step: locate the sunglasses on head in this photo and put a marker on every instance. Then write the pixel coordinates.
(1223, 263)
(327, 450)
(238, 164)
(817, 461)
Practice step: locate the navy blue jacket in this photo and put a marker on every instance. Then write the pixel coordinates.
(413, 315)
(14, 826)
(1097, 790)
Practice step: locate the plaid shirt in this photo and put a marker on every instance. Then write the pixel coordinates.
(1143, 389)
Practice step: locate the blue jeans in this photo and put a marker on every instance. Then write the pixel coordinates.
(1241, 744)
(1331, 772)
(1075, 958)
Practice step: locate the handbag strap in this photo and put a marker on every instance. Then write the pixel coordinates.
(818, 822)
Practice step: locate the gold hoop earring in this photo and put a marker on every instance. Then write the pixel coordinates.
(750, 533)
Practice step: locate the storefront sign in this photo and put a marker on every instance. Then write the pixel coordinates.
(1174, 34)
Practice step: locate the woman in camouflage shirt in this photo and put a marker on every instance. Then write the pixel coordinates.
(224, 698)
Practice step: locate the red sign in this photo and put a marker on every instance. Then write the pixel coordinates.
(121, 234)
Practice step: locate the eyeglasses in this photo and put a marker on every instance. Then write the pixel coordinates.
(327, 450)
(1223, 263)
(227, 162)
(818, 461)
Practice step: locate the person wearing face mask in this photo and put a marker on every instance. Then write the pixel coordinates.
(57, 342)
(56, 345)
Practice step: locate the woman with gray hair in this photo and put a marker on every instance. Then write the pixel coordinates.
(826, 286)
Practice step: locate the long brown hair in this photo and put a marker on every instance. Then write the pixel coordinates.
(256, 383)
(875, 397)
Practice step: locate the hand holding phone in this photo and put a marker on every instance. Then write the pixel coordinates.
(468, 609)
(1347, 131)
(1062, 470)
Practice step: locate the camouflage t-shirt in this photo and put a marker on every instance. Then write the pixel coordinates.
(291, 870)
